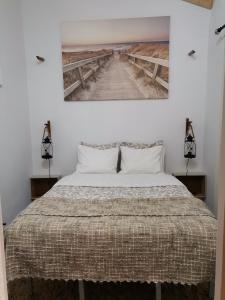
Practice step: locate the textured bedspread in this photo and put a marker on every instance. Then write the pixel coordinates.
(159, 234)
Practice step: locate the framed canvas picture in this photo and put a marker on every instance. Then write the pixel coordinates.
(117, 59)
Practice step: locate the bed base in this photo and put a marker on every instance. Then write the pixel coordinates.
(82, 293)
(158, 290)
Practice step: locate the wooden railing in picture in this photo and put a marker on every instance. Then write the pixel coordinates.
(81, 75)
(133, 59)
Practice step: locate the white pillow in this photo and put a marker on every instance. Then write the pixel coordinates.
(93, 160)
(148, 160)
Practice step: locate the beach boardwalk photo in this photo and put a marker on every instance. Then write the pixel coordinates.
(117, 59)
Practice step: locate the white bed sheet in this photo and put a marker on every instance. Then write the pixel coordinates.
(119, 180)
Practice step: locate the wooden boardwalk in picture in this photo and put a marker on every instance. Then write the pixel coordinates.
(113, 78)
(115, 83)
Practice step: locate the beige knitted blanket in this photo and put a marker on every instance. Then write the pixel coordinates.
(123, 239)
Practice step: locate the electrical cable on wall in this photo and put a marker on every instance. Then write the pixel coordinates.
(187, 165)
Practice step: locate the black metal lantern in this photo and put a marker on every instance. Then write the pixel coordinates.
(189, 142)
(47, 146)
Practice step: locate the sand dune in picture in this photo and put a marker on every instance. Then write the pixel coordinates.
(130, 71)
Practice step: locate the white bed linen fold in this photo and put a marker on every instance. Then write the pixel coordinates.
(119, 180)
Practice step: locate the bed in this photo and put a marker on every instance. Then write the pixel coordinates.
(114, 227)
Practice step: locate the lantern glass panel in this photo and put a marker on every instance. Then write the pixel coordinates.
(47, 147)
(47, 151)
(189, 149)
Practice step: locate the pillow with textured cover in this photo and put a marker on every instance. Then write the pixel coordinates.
(106, 146)
(144, 146)
(142, 160)
(94, 160)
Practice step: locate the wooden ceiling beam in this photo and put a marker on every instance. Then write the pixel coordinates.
(204, 3)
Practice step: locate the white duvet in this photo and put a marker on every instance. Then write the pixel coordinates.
(119, 180)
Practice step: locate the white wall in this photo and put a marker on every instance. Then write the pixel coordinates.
(214, 100)
(119, 120)
(15, 146)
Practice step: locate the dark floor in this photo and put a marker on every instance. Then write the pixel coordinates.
(59, 290)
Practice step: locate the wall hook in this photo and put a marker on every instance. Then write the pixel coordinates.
(40, 59)
(192, 52)
(218, 30)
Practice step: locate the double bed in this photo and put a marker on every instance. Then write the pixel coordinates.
(114, 227)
